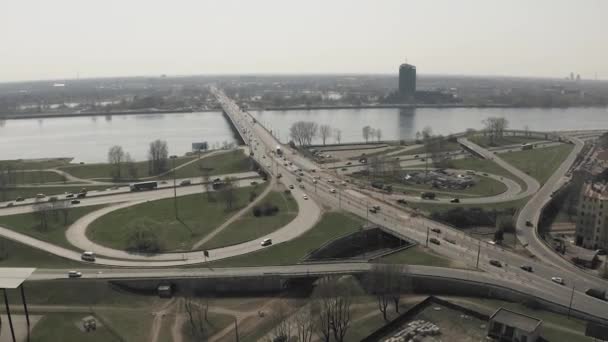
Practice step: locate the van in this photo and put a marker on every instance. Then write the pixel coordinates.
(88, 256)
(266, 242)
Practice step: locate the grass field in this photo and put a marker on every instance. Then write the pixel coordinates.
(331, 225)
(198, 216)
(104, 170)
(430, 206)
(229, 162)
(65, 327)
(11, 194)
(29, 224)
(34, 164)
(250, 227)
(15, 254)
(539, 163)
(484, 141)
(416, 255)
(36, 177)
(448, 146)
(129, 324)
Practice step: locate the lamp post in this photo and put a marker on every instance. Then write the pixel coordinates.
(174, 185)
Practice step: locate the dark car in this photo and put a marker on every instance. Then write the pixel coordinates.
(529, 224)
(373, 210)
(436, 230)
(495, 263)
(75, 201)
(19, 199)
(70, 195)
(349, 163)
(402, 201)
(435, 241)
(526, 268)
(455, 200)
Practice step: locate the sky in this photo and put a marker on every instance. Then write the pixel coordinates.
(60, 39)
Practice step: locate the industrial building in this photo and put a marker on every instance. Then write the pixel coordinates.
(592, 221)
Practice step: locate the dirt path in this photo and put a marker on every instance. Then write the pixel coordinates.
(157, 323)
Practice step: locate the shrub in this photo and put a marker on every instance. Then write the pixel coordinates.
(257, 212)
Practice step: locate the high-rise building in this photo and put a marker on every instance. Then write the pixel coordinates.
(592, 220)
(407, 80)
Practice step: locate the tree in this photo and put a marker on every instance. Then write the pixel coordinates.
(324, 132)
(495, 127)
(378, 134)
(281, 322)
(302, 132)
(366, 132)
(387, 283)
(197, 312)
(338, 135)
(158, 157)
(206, 179)
(333, 299)
(305, 324)
(115, 157)
(143, 237)
(227, 192)
(131, 166)
(40, 211)
(499, 236)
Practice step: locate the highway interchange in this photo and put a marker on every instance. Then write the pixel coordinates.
(318, 187)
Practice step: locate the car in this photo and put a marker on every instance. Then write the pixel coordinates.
(349, 163)
(332, 190)
(329, 180)
(74, 274)
(87, 256)
(422, 159)
(301, 174)
(495, 263)
(402, 201)
(343, 183)
(70, 195)
(317, 177)
(266, 242)
(19, 199)
(301, 186)
(436, 230)
(185, 182)
(344, 169)
(40, 195)
(305, 197)
(9, 204)
(435, 241)
(372, 210)
(285, 164)
(299, 179)
(291, 186)
(526, 268)
(557, 280)
(416, 156)
(163, 182)
(254, 183)
(452, 241)
(313, 170)
(485, 174)
(455, 200)
(75, 201)
(529, 224)
(601, 252)
(314, 181)
(377, 207)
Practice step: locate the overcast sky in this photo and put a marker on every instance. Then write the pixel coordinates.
(49, 39)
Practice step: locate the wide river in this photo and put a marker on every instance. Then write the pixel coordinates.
(88, 139)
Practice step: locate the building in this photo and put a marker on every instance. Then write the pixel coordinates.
(592, 221)
(509, 326)
(407, 81)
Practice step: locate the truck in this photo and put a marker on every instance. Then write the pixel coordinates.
(143, 186)
(596, 293)
(279, 151)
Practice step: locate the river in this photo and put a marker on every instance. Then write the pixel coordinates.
(87, 139)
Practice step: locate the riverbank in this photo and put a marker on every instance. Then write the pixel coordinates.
(63, 115)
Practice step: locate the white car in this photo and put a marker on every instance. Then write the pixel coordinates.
(332, 190)
(74, 274)
(330, 180)
(305, 196)
(557, 280)
(314, 181)
(343, 183)
(266, 242)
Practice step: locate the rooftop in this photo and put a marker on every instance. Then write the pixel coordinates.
(597, 191)
(516, 320)
(12, 277)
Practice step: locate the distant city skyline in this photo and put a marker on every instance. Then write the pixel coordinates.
(65, 39)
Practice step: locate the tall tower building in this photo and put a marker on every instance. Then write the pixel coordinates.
(592, 221)
(407, 80)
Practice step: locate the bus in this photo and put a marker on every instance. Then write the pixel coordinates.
(143, 186)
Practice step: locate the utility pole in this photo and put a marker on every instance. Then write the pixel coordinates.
(174, 185)
(571, 298)
(236, 329)
(478, 253)
(427, 236)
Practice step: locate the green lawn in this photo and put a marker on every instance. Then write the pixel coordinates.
(15, 254)
(331, 225)
(34, 164)
(65, 327)
(416, 255)
(448, 146)
(36, 177)
(12, 193)
(130, 325)
(198, 216)
(250, 227)
(484, 141)
(430, 206)
(103, 170)
(539, 163)
(54, 233)
(228, 162)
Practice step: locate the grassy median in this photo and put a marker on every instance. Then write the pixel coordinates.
(539, 163)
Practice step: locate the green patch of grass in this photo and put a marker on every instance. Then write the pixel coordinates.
(485, 141)
(447, 146)
(66, 327)
(130, 325)
(331, 225)
(34, 164)
(104, 170)
(228, 162)
(197, 217)
(416, 255)
(484, 165)
(37, 177)
(250, 227)
(11, 194)
(429, 206)
(15, 254)
(539, 163)
(57, 223)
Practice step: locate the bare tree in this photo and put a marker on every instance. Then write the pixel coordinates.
(334, 299)
(116, 156)
(40, 211)
(197, 312)
(388, 282)
(495, 127)
(302, 132)
(281, 321)
(324, 132)
(131, 166)
(305, 324)
(227, 192)
(427, 132)
(366, 132)
(378, 134)
(206, 179)
(338, 135)
(158, 157)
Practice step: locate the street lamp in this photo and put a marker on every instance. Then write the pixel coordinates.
(174, 185)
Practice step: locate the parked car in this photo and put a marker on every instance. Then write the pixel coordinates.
(436, 230)
(291, 186)
(377, 207)
(301, 186)
(402, 201)
(305, 197)
(435, 241)
(529, 224)
(266, 242)
(557, 280)
(349, 163)
(372, 210)
(332, 190)
(74, 274)
(495, 263)
(452, 241)
(526, 268)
